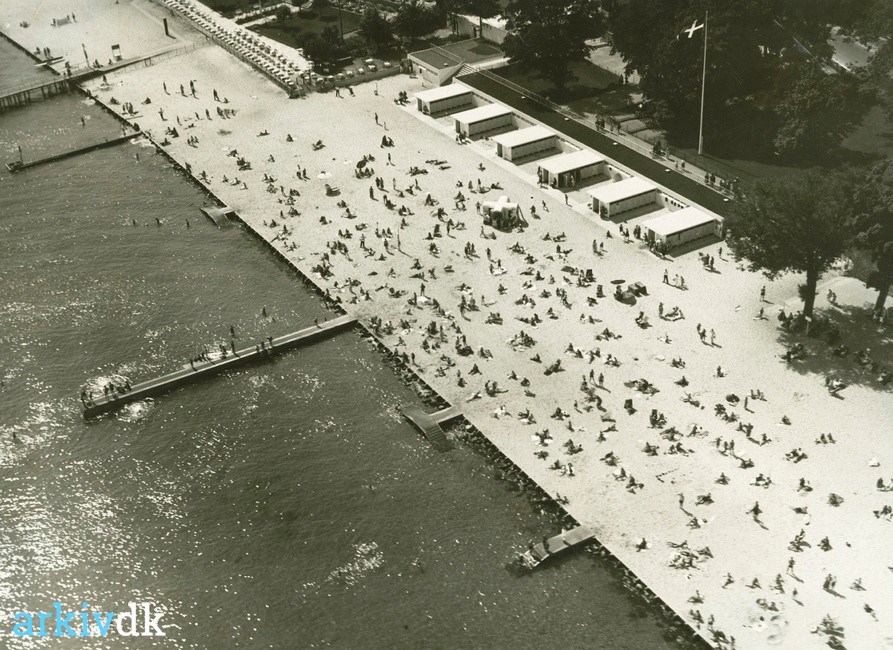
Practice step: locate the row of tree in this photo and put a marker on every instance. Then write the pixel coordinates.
(769, 73)
(807, 222)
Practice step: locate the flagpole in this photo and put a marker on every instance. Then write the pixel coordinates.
(703, 87)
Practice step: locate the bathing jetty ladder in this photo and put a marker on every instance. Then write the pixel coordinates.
(429, 424)
(18, 165)
(541, 552)
(203, 369)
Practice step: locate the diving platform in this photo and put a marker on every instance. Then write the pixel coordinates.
(202, 369)
(429, 424)
(539, 553)
(18, 166)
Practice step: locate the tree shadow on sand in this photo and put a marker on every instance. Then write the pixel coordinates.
(858, 332)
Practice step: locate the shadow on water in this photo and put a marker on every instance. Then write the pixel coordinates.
(858, 332)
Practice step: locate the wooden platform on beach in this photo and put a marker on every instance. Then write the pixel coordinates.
(429, 424)
(554, 545)
(16, 166)
(204, 369)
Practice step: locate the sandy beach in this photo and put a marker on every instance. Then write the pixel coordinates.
(451, 301)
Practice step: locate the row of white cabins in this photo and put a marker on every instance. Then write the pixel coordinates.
(613, 193)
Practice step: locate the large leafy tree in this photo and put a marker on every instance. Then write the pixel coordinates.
(875, 25)
(874, 225)
(482, 9)
(550, 34)
(765, 61)
(798, 223)
(375, 28)
(414, 19)
(649, 35)
(816, 108)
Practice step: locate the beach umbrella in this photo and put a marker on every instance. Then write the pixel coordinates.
(324, 176)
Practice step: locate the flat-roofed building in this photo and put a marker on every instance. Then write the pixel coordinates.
(682, 226)
(444, 99)
(483, 119)
(612, 199)
(525, 142)
(570, 169)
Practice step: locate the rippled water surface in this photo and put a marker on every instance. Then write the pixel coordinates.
(283, 505)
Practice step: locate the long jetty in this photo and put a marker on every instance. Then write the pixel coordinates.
(22, 166)
(203, 369)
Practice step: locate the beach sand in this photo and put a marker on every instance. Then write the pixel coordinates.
(727, 540)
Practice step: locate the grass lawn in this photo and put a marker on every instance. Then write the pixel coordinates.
(595, 90)
(311, 20)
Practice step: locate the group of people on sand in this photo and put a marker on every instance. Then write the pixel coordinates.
(359, 262)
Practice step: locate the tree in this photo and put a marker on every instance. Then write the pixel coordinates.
(283, 13)
(318, 49)
(874, 225)
(414, 20)
(375, 28)
(795, 223)
(482, 9)
(875, 25)
(332, 34)
(816, 109)
(760, 53)
(550, 35)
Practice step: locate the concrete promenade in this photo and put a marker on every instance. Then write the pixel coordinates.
(503, 327)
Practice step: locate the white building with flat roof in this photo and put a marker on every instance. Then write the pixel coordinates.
(525, 142)
(612, 199)
(483, 119)
(444, 99)
(682, 226)
(570, 169)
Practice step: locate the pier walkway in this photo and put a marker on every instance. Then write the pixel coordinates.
(202, 369)
(25, 93)
(429, 424)
(17, 166)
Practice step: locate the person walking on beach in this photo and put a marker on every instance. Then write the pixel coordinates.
(755, 511)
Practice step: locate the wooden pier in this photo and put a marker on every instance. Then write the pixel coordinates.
(429, 424)
(25, 94)
(541, 552)
(203, 369)
(17, 166)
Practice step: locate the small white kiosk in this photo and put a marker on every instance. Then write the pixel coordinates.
(682, 226)
(444, 99)
(483, 119)
(571, 168)
(525, 142)
(612, 199)
(502, 214)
